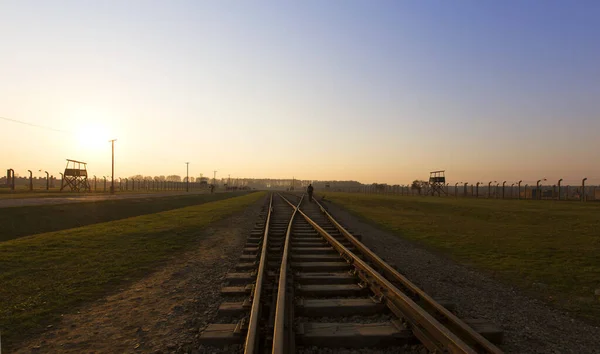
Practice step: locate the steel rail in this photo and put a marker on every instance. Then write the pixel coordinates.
(250, 346)
(458, 327)
(279, 346)
(434, 335)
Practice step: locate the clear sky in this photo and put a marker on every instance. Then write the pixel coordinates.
(375, 91)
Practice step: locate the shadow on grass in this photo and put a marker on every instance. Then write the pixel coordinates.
(29, 220)
(45, 275)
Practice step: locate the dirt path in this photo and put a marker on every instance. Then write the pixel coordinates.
(163, 312)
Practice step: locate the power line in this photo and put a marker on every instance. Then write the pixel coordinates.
(33, 125)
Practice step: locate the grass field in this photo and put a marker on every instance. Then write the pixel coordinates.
(5, 193)
(551, 249)
(28, 220)
(45, 275)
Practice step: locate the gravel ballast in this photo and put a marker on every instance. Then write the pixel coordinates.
(530, 326)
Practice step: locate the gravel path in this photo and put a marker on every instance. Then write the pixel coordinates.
(529, 325)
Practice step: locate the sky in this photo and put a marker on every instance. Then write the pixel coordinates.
(374, 91)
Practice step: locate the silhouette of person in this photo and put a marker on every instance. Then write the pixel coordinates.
(309, 190)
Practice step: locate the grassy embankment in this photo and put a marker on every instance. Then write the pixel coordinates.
(28, 220)
(549, 248)
(48, 274)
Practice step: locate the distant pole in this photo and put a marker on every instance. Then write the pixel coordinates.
(47, 181)
(539, 190)
(104, 183)
(583, 189)
(456, 189)
(187, 178)
(477, 190)
(215, 178)
(519, 194)
(512, 191)
(112, 179)
(12, 179)
(560, 180)
(30, 181)
(503, 185)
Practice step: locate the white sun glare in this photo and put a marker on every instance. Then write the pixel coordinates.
(93, 136)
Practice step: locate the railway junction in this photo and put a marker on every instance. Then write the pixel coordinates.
(304, 281)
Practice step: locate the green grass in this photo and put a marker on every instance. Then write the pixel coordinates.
(554, 245)
(45, 275)
(29, 220)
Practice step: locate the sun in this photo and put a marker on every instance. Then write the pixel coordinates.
(93, 136)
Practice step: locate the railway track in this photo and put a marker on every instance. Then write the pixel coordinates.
(304, 283)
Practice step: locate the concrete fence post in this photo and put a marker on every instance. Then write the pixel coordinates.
(30, 180)
(560, 180)
(10, 179)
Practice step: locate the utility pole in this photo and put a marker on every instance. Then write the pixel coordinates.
(112, 179)
(214, 178)
(187, 178)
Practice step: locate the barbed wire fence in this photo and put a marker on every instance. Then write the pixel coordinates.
(16, 183)
(491, 190)
(525, 190)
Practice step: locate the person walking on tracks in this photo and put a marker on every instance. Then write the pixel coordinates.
(309, 190)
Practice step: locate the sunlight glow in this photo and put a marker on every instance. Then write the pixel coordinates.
(93, 137)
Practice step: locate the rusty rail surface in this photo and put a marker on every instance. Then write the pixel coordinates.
(279, 333)
(433, 334)
(250, 346)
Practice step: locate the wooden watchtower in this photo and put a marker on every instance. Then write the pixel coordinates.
(437, 182)
(75, 177)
